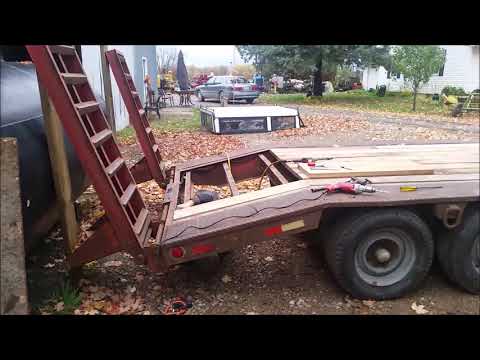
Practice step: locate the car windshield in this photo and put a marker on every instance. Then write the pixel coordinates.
(238, 81)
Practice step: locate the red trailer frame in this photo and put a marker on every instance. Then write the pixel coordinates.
(288, 207)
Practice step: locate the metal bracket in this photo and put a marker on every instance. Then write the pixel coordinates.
(449, 214)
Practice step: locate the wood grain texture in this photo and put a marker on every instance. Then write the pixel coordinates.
(60, 171)
(230, 180)
(449, 162)
(366, 169)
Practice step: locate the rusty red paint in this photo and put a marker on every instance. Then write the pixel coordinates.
(137, 115)
(202, 249)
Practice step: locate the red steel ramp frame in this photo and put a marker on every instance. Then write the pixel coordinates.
(150, 166)
(127, 224)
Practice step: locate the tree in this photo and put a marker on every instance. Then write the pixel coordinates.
(245, 70)
(167, 59)
(418, 64)
(304, 60)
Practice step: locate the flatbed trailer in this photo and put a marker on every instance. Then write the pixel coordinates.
(377, 246)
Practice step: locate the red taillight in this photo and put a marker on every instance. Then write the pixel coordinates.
(177, 252)
(254, 87)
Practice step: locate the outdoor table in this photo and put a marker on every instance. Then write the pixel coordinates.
(185, 95)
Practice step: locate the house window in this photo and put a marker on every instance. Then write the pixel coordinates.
(440, 73)
(393, 74)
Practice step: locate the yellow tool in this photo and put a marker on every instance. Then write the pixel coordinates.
(415, 188)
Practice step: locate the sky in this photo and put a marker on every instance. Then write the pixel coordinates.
(208, 55)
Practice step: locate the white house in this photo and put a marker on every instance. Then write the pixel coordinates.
(461, 69)
(141, 61)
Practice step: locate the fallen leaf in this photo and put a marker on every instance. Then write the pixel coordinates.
(99, 305)
(59, 306)
(226, 279)
(49, 265)
(419, 309)
(269, 258)
(369, 303)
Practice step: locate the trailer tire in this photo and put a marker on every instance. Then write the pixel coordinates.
(379, 254)
(458, 252)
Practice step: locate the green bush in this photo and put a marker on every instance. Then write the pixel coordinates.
(452, 90)
(405, 93)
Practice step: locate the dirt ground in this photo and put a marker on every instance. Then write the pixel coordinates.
(282, 276)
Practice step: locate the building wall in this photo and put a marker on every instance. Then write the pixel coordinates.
(133, 56)
(149, 52)
(461, 70)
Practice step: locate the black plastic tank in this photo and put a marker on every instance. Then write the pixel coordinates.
(21, 117)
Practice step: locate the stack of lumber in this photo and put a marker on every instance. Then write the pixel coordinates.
(395, 160)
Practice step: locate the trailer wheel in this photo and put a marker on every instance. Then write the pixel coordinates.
(458, 252)
(380, 254)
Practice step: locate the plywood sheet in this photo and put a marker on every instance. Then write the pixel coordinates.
(396, 150)
(377, 167)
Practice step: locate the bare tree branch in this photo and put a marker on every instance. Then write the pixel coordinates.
(167, 58)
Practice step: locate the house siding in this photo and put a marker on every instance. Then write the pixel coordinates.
(133, 57)
(461, 70)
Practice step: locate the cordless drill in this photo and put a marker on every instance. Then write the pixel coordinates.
(346, 187)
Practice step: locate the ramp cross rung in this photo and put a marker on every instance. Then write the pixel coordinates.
(127, 195)
(87, 107)
(74, 79)
(114, 166)
(63, 49)
(101, 137)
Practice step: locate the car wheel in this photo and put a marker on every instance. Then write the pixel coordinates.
(379, 254)
(250, 101)
(221, 98)
(458, 252)
(200, 96)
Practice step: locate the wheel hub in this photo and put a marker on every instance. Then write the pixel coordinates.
(385, 257)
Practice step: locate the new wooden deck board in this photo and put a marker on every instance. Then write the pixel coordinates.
(450, 162)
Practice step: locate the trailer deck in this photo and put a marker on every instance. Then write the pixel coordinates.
(248, 217)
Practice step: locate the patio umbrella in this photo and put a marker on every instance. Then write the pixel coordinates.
(182, 75)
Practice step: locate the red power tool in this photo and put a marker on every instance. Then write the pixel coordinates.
(346, 187)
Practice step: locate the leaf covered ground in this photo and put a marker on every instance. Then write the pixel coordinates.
(392, 102)
(275, 277)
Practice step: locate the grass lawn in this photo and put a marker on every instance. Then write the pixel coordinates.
(168, 123)
(364, 100)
